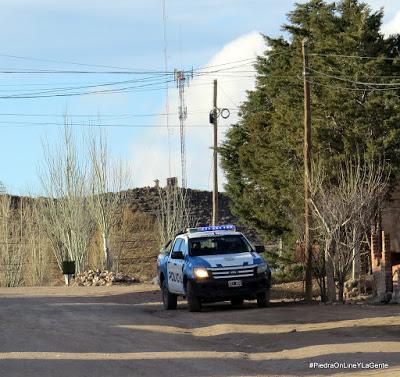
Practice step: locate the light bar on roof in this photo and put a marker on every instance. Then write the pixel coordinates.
(212, 228)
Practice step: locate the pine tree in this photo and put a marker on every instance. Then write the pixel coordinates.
(262, 154)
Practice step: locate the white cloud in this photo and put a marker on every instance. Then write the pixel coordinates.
(388, 5)
(150, 155)
(393, 26)
(151, 151)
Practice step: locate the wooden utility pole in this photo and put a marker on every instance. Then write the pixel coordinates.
(307, 151)
(215, 158)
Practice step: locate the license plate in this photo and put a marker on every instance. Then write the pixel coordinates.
(234, 283)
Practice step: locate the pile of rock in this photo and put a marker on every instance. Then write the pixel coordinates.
(358, 288)
(102, 278)
(351, 289)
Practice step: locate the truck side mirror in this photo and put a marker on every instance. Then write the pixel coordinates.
(177, 255)
(260, 248)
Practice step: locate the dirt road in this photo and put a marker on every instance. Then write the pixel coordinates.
(123, 331)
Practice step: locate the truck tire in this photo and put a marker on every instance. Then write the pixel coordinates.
(170, 301)
(263, 299)
(237, 302)
(193, 301)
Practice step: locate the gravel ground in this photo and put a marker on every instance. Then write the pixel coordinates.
(123, 331)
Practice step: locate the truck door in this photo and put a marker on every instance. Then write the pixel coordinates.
(175, 267)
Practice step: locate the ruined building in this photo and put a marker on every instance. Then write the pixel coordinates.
(385, 251)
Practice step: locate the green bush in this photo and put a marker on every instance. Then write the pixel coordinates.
(284, 268)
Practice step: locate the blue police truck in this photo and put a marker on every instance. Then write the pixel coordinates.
(210, 264)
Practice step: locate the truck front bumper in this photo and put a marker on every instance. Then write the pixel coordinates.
(213, 290)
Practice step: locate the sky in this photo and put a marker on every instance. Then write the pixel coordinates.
(109, 58)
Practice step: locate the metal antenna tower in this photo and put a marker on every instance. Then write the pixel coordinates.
(181, 77)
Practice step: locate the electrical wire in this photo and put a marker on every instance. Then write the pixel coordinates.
(226, 95)
(41, 124)
(113, 83)
(227, 63)
(99, 85)
(126, 115)
(62, 62)
(127, 89)
(54, 71)
(128, 72)
(156, 81)
(339, 87)
(356, 57)
(339, 78)
(196, 111)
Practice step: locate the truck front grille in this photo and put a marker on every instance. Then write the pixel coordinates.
(232, 272)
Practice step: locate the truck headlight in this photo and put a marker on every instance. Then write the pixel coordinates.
(262, 268)
(200, 273)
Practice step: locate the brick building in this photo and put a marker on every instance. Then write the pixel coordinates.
(385, 250)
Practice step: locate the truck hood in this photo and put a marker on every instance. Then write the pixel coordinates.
(229, 260)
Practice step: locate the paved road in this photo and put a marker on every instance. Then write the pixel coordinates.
(123, 331)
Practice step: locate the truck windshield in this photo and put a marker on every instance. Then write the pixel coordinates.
(218, 245)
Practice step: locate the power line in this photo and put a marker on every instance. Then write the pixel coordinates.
(154, 83)
(61, 61)
(356, 57)
(127, 89)
(88, 115)
(54, 71)
(97, 85)
(365, 89)
(39, 124)
(249, 60)
(124, 70)
(126, 115)
(127, 72)
(339, 78)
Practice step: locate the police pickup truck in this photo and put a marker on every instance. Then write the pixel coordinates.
(210, 264)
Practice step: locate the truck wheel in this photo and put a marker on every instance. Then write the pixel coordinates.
(170, 301)
(263, 299)
(237, 302)
(193, 301)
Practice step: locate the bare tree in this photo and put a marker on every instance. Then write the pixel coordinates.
(136, 240)
(344, 212)
(11, 253)
(3, 189)
(363, 187)
(65, 216)
(328, 218)
(174, 213)
(108, 182)
(36, 246)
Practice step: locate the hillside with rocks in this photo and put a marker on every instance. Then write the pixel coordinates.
(136, 242)
(146, 200)
(134, 239)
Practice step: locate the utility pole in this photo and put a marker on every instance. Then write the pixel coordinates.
(215, 158)
(307, 151)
